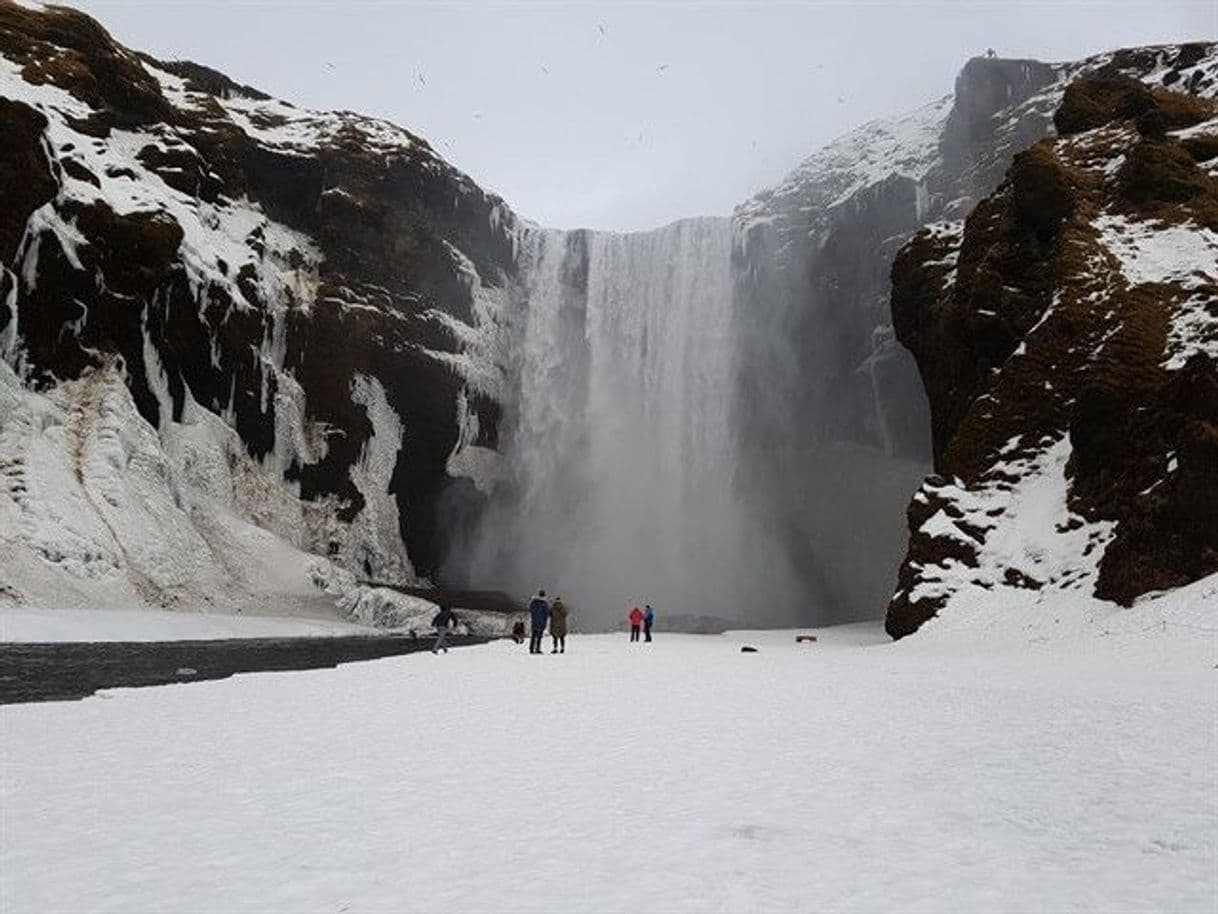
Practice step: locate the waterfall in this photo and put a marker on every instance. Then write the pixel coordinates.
(621, 452)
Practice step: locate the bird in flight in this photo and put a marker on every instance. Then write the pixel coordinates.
(545, 69)
(421, 78)
(604, 31)
(661, 68)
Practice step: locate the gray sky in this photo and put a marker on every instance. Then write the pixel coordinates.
(674, 109)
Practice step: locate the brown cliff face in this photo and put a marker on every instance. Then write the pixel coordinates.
(251, 257)
(1067, 336)
(831, 401)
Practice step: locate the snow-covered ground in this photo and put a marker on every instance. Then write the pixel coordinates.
(156, 625)
(372, 611)
(1073, 772)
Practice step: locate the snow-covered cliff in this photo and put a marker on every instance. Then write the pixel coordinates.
(1067, 335)
(306, 334)
(835, 417)
(285, 318)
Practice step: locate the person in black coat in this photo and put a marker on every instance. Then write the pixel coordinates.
(539, 615)
(444, 621)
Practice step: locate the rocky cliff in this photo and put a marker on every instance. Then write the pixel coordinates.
(297, 311)
(249, 350)
(1067, 335)
(836, 421)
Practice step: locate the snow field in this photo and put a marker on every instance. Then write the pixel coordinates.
(849, 775)
(40, 625)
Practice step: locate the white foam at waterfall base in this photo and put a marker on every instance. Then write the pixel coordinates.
(621, 448)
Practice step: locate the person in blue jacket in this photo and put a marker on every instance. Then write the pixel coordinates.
(539, 613)
(649, 618)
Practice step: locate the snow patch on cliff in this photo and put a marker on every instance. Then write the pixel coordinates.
(951, 235)
(284, 127)
(482, 465)
(375, 540)
(99, 511)
(1185, 254)
(1194, 329)
(1017, 524)
(219, 238)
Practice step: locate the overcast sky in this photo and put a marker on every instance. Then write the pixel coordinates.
(627, 115)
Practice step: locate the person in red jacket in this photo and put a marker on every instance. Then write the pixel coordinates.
(636, 620)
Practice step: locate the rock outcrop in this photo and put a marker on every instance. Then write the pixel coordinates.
(1067, 336)
(322, 284)
(834, 416)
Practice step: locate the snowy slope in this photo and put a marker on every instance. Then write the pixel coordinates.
(1069, 773)
(907, 145)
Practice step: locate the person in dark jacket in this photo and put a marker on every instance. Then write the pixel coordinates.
(539, 614)
(636, 619)
(649, 618)
(444, 621)
(518, 633)
(558, 626)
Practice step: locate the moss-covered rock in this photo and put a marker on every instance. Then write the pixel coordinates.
(1067, 325)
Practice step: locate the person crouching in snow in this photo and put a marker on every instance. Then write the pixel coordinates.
(539, 614)
(558, 626)
(636, 619)
(518, 632)
(649, 618)
(444, 621)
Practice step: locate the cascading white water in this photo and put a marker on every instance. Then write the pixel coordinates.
(620, 446)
